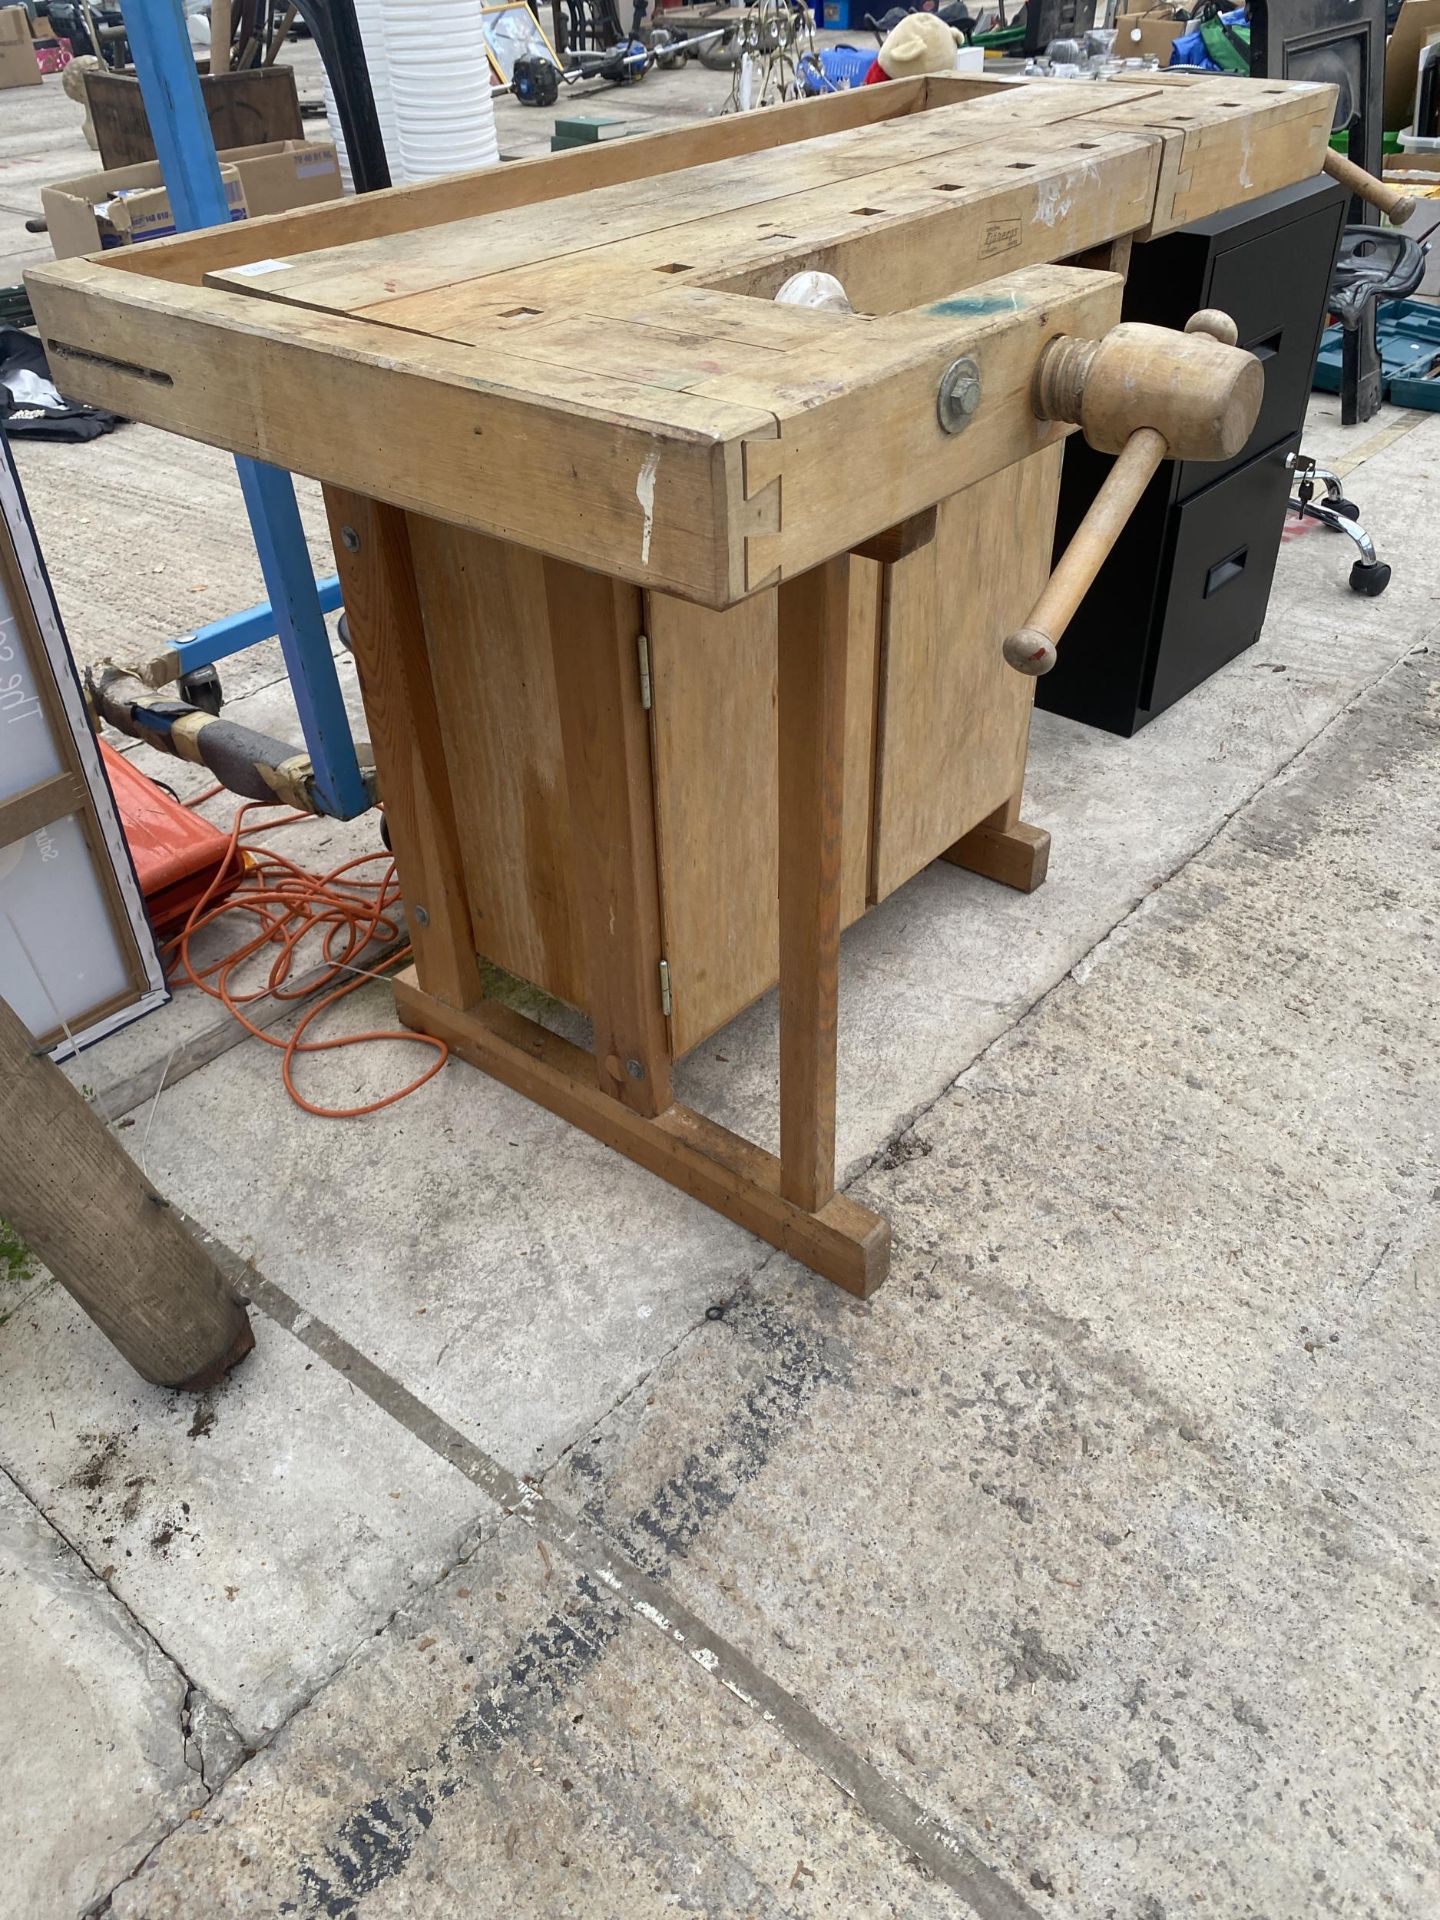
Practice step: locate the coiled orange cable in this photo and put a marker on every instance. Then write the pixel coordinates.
(291, 904)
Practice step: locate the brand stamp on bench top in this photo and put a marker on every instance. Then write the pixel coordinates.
(1000, 237)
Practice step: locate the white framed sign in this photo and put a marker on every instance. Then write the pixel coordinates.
(77, 956)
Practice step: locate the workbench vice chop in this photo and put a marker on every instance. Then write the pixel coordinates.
(678, 613)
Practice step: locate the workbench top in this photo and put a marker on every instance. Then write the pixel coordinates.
(582, 353)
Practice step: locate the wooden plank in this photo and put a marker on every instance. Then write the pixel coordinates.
(488, 642)
(39, 806)
(920, 233)
(997, 214)
(594, 642)
(814, 644)
(842, 1241)
(187, 258)
(717, 794)
(387, 640)
(953, 715)
(83, 1207)
(285, 385)
(672, 214)
(1227, 141)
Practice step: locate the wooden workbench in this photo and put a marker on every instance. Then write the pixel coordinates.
(677, 612)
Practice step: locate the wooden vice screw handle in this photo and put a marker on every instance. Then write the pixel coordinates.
(1145, 394)
(1031, 648)
(1395, 205)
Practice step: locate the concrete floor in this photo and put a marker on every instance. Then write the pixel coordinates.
(561, 1550)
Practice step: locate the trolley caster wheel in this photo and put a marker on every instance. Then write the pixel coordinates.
(1369, 580)
(201, 688)
(342, 633)
(1346, 509)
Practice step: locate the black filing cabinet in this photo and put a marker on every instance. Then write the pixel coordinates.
(1186, 586)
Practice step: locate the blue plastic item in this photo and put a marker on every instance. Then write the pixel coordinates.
(1409, 336)
(840, 67)
(1190, 51)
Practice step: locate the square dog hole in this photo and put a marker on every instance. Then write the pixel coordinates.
(519, 313)
(675, 266)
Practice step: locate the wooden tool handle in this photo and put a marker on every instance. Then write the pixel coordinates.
(1395, 205)
(1031, 648)
(1145, 394)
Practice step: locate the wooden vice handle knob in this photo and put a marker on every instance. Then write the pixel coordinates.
(1395, 205)
(1028, 650)
(1216, 323)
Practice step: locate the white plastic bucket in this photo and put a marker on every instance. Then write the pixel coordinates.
(439, 84)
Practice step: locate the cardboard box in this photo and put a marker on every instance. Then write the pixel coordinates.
(1142, 36)
(285, 174)
(129, 204)
(1416, 22)
(18, 65)
(1419, 171)
(117, 209)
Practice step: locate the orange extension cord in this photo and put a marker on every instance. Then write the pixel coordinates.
(289, 905)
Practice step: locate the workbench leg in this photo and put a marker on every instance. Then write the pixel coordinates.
(387, 639)
(1004, 847)
(813, 644)
(595, 625)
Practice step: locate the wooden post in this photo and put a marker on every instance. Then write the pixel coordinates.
(813, 641)
(594, 637)
(219, 36)
(82, 1206)
(387, 638)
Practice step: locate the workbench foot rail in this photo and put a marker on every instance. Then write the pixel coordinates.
(842, 1241)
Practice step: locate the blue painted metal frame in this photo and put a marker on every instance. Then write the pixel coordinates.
(218, 639)
(170, 85)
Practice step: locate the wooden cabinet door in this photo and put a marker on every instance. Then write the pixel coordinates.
(713, 721)
(953, 718)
